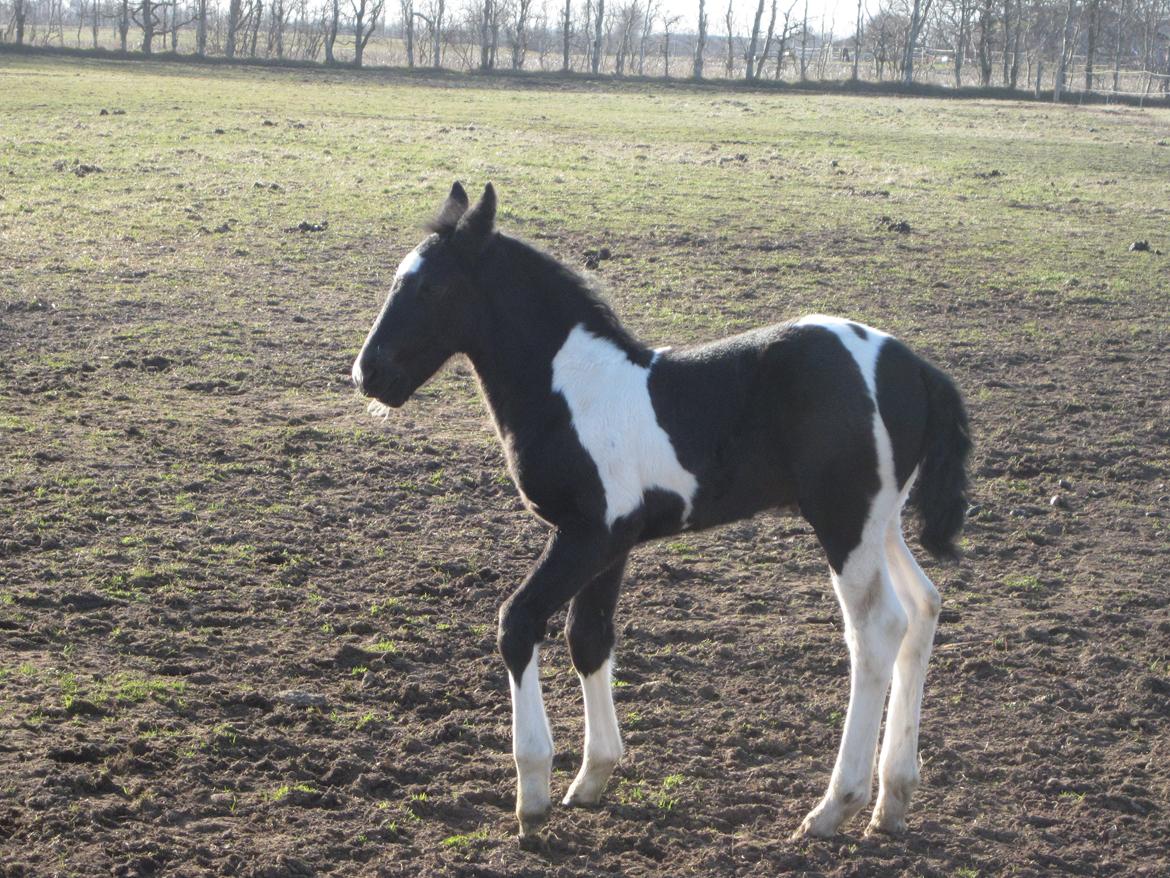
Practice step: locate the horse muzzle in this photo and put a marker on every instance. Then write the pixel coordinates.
(385, 383)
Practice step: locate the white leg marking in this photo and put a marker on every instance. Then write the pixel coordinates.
(875, 624)
(532, 747)
(898, 766)
(603, 740)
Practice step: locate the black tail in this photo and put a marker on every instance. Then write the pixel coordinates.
(941, 491)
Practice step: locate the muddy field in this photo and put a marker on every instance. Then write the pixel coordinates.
(248, 629)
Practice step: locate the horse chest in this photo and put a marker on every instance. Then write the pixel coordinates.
(614, 422)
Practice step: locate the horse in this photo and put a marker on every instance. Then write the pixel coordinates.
(612, 443)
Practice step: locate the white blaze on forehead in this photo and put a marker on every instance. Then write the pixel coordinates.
(412, 263)
(609, 399)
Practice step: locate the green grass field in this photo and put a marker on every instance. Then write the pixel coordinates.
(197, 515)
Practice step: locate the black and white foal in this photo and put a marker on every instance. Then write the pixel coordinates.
(613, 443)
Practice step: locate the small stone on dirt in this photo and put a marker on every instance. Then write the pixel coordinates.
(306, 226)
(86, 170)
(1139, 247)
(85, 601)
(298, 698)
(268, 123)
(889, 224)
(104, 112)
(37, 304)
(155, 363)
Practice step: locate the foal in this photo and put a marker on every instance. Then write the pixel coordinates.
(613, 444)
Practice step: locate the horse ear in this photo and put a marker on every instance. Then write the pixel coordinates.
(476, 226)
(451, 211)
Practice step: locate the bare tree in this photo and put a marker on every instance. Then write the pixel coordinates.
(1067, 47)
(918, 13)
(650, 12)
(145, 15)
(729, 23)
(983, 48)
(859, 28)
(332, 26)
(763, 56)
(200, 28)
(785, 32)
(1121, 15)
(124, 23)
(19, 15)
(628, 17)
(519, 33)
(489, 33)
(278, 14)
(437, 24)
(804, 44)
(753, 42)
(406, 8)
(365, 21)
(668, 21)
(959, 14)
(566, 33)
(1013, 70)
(700, 41)
(1091, 7)
(233, 23)
(597, 37)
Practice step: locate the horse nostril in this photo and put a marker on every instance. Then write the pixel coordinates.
(365, 374)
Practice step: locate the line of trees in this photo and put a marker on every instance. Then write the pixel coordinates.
(1094, 45)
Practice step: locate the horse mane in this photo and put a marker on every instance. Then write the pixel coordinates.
(584, 296)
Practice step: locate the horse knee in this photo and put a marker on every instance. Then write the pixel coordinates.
(931, 604)
(518, 633)
(590, 636)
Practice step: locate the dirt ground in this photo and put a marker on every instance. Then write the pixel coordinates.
(248, 629)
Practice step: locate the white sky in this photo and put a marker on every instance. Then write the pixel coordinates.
(842, 13)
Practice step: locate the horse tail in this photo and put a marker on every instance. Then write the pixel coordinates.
(940, 494)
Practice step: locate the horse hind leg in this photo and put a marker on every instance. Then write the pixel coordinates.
(898, 765)
(875, 624)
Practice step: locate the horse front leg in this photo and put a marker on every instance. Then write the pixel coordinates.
(568, 562)
(590, 634)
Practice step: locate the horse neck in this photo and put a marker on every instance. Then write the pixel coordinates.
(530, 313)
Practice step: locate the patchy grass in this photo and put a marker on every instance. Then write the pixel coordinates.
(199, 515)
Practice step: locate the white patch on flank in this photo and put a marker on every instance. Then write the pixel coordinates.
(409, 265)
(609, 399)
(603, 739)
(532, 743)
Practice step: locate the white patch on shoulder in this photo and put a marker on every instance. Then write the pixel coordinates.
(609, 399)
(412, 263)
(863, 350)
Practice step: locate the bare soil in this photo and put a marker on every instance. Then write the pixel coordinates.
(249, 630)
